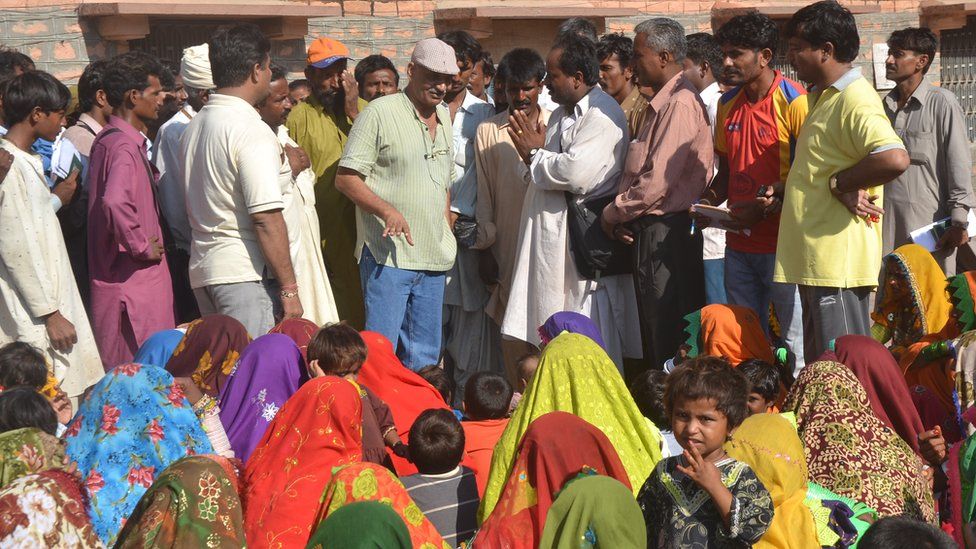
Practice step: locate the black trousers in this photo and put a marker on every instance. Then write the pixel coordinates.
(184, 301)
(669, 276)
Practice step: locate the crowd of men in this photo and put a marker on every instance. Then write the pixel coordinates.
(631, 179)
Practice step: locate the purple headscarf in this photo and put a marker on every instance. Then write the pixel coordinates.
(574, 323)
(268, 373)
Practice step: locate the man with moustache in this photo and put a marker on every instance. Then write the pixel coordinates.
(756, 126)
(320, 125)
(580, 153)
(131, 288)
(616, 52)
(240, 264)
(503, 180)
(937, 184)
(669, 165)
(829, 241)
(376, 76)
(397, 168)
(297, 182)
(471, 339)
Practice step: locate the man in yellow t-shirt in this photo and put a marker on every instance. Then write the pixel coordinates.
(830, 229)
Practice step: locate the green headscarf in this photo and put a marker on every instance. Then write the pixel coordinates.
(594, 511)
(576, 376)
(961, 294)
(26, 451)
(362, 525)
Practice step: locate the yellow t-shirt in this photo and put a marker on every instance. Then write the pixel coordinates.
(820, 242)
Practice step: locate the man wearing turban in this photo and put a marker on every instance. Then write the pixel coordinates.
(198, 83)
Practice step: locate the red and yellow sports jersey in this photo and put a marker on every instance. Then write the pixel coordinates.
(757, 142)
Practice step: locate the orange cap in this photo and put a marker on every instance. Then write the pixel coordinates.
(325, 51)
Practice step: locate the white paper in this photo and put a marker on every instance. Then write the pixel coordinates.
(925, 236)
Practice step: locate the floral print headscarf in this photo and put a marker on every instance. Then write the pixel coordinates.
(45, 510)
(372, 482)
(133, 424)
(209, 351)
(194, 503)
(28, 450)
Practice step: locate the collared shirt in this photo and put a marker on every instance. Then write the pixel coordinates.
(122, 212)
(391, 147)
(168, 159)
(583, 147)
(670, 163)
(503, 179)
(635, 109)
(758, 141)
(74, 143)
(322, 135)
(820, 242)
(464, 188)
(231, 160)
(938, 182)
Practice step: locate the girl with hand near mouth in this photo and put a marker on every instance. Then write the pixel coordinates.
(704, 498)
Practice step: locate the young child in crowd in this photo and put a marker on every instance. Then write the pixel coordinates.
(22, 364)
(764, 385)
(525, 368)
(648, 392)
(22, 407)
(486, 400)
(338, 350)
(444, 490)
(703, 498)
(440, 380)
(905, 532)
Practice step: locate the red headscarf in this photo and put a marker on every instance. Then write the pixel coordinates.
(318, 428)
(300, 330)
(879, 374)
(556, 447)
(209, 351)
(406, 393)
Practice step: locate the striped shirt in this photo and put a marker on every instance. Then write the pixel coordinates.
(449, 500)
(390, 146)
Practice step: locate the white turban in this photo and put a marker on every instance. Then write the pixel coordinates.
(195, 68)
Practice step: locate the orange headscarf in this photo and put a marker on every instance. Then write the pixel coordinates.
(406, 393)
(318, 428)
(729, 331)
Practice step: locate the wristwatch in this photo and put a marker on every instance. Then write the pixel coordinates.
(532, 153)
(833, 184)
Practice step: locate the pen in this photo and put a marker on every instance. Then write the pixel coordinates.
(692, 231)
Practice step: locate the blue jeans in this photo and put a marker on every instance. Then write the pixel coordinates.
(749, 283)
(406, 307)
(715, 281)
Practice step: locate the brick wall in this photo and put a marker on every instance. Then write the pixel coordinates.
(54, 38)
(61, 43)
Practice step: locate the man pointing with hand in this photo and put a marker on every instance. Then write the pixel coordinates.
(397, 168)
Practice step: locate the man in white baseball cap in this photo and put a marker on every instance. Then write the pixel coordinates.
(397, 168)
